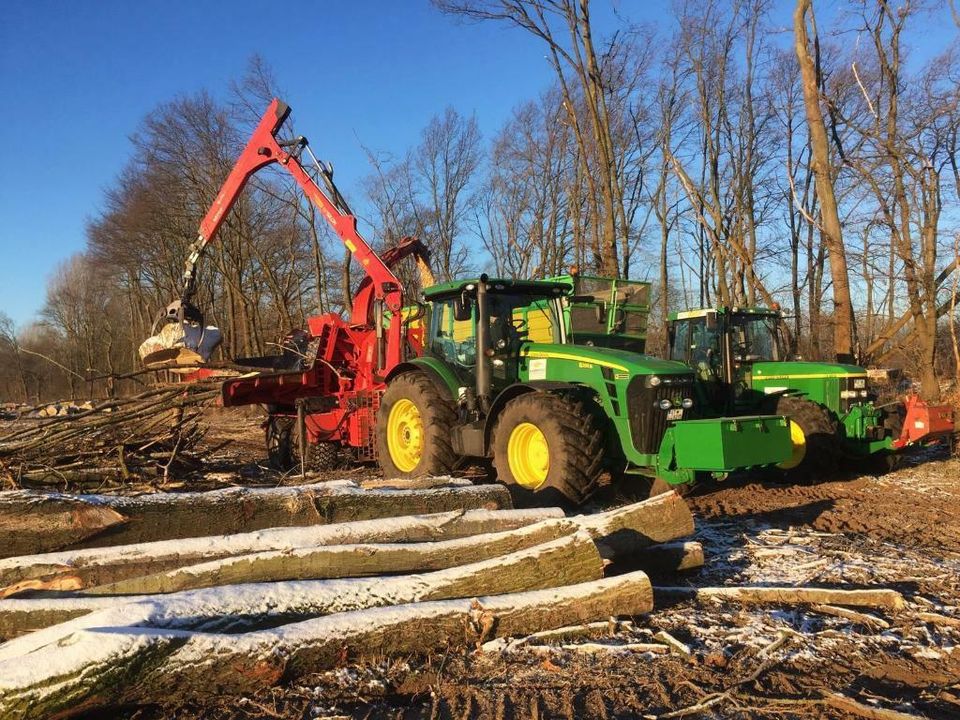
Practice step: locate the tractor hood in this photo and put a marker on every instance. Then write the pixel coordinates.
(800, 370)
(621, 361)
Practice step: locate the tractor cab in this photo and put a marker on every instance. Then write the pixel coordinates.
(722, 346)
(513, 313)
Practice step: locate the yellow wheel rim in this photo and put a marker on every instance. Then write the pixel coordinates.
(799, 442)
(405, 435)
(528, 455)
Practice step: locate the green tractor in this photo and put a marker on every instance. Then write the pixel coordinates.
(741, 365)
(498, 375)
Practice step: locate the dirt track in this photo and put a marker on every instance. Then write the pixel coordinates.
(900, 531)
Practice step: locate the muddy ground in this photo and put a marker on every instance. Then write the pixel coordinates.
(898, 531)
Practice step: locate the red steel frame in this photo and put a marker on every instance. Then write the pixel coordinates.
(347, 378)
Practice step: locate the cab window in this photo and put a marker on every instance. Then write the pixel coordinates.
(452, 340)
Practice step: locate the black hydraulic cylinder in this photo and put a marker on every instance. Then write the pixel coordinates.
(483, 346)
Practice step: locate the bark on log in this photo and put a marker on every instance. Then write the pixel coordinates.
(170, 516)
(35, 522)
(340, 561)
(108, 666)
(633, 527)
(99, 566)
(567, 560)
(19, 617)
(881, 598)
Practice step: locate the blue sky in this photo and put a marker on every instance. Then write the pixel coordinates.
(76, 78)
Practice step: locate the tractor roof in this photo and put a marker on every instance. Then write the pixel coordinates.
(700, 312)
(532, 287)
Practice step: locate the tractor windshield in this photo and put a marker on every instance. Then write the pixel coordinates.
(754, 338)
(513, 318)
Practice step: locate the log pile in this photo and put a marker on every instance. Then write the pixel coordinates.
(138, 438)
(138, 600)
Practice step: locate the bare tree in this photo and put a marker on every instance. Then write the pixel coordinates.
(844, 330)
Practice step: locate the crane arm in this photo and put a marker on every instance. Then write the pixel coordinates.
(264, 149)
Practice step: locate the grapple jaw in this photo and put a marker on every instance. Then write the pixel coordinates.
(180, 340)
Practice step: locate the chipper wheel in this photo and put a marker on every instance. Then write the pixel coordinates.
(813, 433)
(280, 442)
(283, 448)
(413, 428)
(548, 448)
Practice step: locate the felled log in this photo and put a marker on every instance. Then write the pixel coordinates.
(340, 561)
(785, 595)
(26, 615)
(633, 527)
(169, 516)
(41, 522)
(102, 667)
(567, 560)
(100, 566)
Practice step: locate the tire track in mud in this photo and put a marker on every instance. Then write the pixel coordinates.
(915, 507)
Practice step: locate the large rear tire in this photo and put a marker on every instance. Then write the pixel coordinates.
(414, 423)
(548, 449)
(813, 432)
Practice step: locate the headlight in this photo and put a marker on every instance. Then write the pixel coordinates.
(864, 393)
(847, 394)
(653, 381)
(860, 383)
(686, 403)
(665, 404)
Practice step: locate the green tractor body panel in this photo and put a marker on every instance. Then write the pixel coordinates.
(645, 400)
(721, 445)
(820, 382)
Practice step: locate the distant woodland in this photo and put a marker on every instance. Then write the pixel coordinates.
(729, 159)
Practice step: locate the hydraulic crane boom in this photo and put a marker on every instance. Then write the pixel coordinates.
(263, 149)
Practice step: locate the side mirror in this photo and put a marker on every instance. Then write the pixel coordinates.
(462, 308)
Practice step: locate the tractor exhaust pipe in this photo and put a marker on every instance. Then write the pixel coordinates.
(483, 346)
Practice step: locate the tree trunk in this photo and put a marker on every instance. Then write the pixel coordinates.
(169, 516)
(630, 528)
(107, 667)
(340, 561)
(843, 321)
(237, 608)
(884, 599)
(36, 521)
(100, 566)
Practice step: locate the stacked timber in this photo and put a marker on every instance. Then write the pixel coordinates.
(181, 597)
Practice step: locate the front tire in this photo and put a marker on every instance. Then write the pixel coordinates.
(813, 434)
(548, 448)
(414, 423)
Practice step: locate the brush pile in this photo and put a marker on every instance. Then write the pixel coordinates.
(135, 439)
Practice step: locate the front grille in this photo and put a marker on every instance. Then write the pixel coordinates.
(648, 422)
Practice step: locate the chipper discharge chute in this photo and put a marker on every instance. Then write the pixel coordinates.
(479, 368)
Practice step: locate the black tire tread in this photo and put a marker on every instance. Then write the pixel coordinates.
(822, 457)
(580, 463)
(438, 414)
